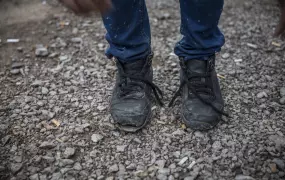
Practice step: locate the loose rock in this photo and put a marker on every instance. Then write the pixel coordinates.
(121, 148)
(160, 163)
(77, 166)
(164, 171)
(243, 177)
(41, 51)
(282, 92)
(96, 138)
(261, 95)
(76, 40)
(16, 167)
(47, 145)
(69, 152)
(225, 55)
(34, 177)
(44, 90)
(282, 100)
(113, 168)
(280, 163)
(66, 162)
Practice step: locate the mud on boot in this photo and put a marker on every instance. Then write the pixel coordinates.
(202, 102)
(131, 99)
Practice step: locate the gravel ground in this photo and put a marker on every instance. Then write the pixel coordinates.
(54, 103)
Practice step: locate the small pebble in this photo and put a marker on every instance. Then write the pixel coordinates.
(96, 138)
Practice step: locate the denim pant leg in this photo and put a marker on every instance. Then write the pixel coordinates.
(128, 30)
(199, 27)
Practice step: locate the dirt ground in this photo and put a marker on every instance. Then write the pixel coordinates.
(54, 120)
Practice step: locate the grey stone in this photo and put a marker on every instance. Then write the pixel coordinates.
(282, 92)
(49, 159)
(121, 148)
(16, 167)
(43, 177)
(243, 177)
(69, 152)
(20, 49)
(281, 174)
(161, 177)
(101, 108)
(18, 159)
(17, 65)
(160, 163)
(101, 46)
(122, 169)
(66, 162)
(178, 132)
(131, 166)
(34, 177)
(6, 139)
(164, 171)
(279, 141)
(47, 170)
(69, 177)
(65, 170)
(53, 55)
(45, 90)
(114, 168)
(101, 177)
(172, 166)
(137, 140)
(41, 51)
(77, 166)
(74, 30)
(261, 95)
(37, 83)
(2, 168)
(33, 170)
(93, 153)
(96, 138)
(64, 58)
(15, 71)
(190, 177)
(199, 134)
(282, 100)
(61, 42)
(193, 175)
(47, 145)
(56, 176)
(225, 55)
(217, 145)
(176, 154)
(76, 40)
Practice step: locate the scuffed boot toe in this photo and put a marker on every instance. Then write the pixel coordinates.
(130, 116)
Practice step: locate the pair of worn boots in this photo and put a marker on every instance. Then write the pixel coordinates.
(202, 102)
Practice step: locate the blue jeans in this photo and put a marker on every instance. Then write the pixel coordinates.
(129, 36)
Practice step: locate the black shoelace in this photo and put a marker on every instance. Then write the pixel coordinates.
(198, 87)
(132, 82)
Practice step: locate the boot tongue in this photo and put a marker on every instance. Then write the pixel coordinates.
(133, 67)
(197, 66)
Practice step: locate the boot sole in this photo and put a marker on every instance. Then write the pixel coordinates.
(199, 126)
(132, 129)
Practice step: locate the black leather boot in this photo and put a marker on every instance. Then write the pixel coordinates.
(202, 102)
(131, 99)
